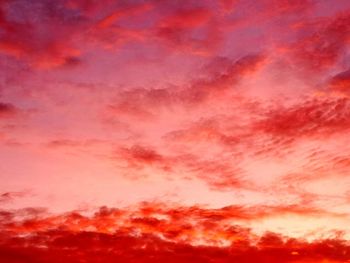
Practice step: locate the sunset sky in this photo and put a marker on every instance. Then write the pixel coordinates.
(208, 131)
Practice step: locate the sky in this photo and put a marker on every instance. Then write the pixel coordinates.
(144, 131)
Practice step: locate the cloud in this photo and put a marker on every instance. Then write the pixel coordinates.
(73, 143)
(60, 34)
(340, 82)
(228, 5)
(315, 117)
(10, 196)
(153, 233)
(7, 110)
(190, 29)
(138, 156)
(245, 132)
(186, 19)
(141, 104)
(51, 35)
(124, 12)
(220, 82)
(286, 7)
(219, 173)
(324, 45)
(40, 37)
(205, 131)
(143, 155)
(147, 104)
(220, 127)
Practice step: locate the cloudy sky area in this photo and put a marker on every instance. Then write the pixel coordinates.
(209, 131)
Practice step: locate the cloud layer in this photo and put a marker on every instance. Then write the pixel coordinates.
(203, 131)
(154, 233)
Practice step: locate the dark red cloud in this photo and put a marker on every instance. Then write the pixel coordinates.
(143, 155)
(40, 36)
(7, 110)
(285, 7)
(186, 19)
(55, 34)
(138, 236)
(325, 43)
(89, 7)
(315, 117)
(109, 20)
(341, 82)
(228, 5)
(190, 30)
(138, 157)
(62, 246)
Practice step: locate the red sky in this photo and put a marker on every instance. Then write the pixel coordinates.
(174, 131)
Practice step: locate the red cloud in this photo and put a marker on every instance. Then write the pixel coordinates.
(56, 33)
(316, 117)
(145, 104)
(193, 30)
(138, 236)
(325, 45)
(125, 12)
(40, 44)
(229, 76)
(269, 132)
(9, 196)
(228, 5)
(216, 172)
(341, 82)
(73, 143)
(282, 7)
(205, 131)
(7, 110)
(139, 155)
(185, 19)
(52, 34)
